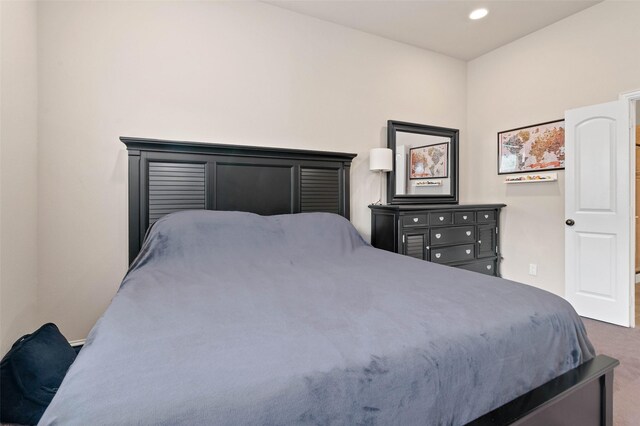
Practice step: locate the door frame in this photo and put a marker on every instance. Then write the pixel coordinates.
(630, 99)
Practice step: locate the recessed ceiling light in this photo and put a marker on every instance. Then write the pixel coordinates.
(478, 14)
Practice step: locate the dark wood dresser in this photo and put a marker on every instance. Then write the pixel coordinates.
(464, 236)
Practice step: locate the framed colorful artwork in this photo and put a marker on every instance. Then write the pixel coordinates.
(429, 161)
(531, 148)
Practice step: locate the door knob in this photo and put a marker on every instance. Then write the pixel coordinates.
(570, 222)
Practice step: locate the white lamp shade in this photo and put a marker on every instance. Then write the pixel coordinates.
(381, 159)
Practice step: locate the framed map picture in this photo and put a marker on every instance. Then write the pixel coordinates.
(531, 148)
(430, 161)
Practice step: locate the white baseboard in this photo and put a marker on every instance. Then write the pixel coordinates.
(77, 342)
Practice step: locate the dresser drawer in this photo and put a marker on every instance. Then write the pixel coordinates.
(486, 216)
(453, 254)
(445, 218)
(453, 235)
(460, 218)
(414, 220)
(487, 267)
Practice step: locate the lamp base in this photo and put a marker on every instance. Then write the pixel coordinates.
(379, 202)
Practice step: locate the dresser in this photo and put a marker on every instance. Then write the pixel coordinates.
(463, 236)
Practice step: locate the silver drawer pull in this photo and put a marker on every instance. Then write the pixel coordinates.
(489, 267)
(441, 218)
(486, 216)
(438, 255)
(479, 242)
(438, 235)
(468, 233)
(415, 219)
(468, 251)
(464, 217)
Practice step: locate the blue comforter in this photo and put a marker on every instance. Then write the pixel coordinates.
(230, 318)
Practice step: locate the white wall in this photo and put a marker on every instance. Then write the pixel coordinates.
(239, 73)
(588, 58)
(18, 171)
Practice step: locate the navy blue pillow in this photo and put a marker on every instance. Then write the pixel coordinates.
(31, 372)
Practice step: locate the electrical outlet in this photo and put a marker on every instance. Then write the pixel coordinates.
(533, 269)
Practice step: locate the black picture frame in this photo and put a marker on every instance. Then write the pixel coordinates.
(531, 126)
(446, 174)
(394, 126)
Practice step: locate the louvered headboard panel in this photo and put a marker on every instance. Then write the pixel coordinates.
(174, 187)
(319, 190)
(169, 176)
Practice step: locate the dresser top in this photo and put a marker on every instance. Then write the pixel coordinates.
(412, 207)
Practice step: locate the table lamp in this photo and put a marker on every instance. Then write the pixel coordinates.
(380, 160)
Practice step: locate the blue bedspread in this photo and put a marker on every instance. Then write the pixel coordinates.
(231, 318)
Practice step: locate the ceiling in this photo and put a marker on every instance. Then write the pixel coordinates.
(439, 25)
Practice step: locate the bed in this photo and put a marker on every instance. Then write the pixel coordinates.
(234, 318)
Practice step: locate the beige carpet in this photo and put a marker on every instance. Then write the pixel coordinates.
(623, 344)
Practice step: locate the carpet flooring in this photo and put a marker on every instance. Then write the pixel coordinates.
(623, 344)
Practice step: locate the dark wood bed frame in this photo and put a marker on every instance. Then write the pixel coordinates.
(167, 176)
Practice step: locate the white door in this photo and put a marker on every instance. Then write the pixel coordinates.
(598, 269)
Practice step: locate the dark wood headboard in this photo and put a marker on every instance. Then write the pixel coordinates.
(169, 176)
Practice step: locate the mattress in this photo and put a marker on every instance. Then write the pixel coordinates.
(231, 318)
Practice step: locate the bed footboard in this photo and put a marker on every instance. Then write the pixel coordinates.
(582, 396)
